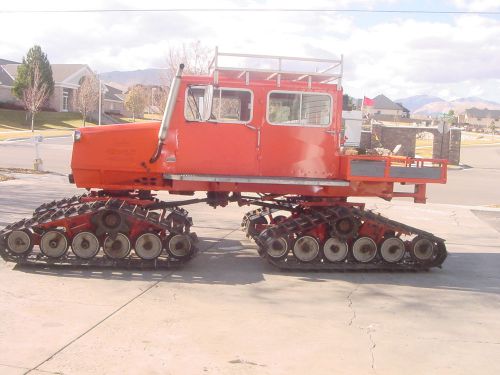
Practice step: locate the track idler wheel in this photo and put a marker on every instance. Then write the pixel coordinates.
(20, 242)
(335, 250)
(392, 249)
(422, 249)
(306, 249)
(364, 249)
(345, 227)
(85, 245)
(109, 221)
(148, 246)
(179, 246)
(54, 244)
(116, 247)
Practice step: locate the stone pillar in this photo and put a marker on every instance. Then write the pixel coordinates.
(366, 140)
(455, 143)
(441, 145)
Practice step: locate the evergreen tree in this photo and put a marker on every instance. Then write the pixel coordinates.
(25, 72)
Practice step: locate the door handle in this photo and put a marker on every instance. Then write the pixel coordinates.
(254, 128)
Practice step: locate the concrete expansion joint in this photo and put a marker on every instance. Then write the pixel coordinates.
(349, 305)
(367, 330)
(454, 217)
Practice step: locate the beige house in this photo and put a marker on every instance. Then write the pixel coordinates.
(481, 118)
(66, 78)
(113, 99)
(382, 105)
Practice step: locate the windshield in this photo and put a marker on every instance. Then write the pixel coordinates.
(194, 101)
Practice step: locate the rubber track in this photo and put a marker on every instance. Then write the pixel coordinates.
(74, 206)
(310, 219)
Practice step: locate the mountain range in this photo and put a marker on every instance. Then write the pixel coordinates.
(418, 104)
(431, 105)
(151, 76)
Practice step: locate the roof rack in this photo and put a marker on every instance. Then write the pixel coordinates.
(332, 73)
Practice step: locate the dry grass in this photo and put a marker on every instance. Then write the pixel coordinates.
(5, 178)
(21, 170)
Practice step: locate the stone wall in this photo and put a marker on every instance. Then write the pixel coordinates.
(445, 146)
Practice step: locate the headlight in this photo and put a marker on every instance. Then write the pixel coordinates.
(77, 135)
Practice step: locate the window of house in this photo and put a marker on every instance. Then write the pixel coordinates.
(65, 98)
(231, 105)
(307, 109)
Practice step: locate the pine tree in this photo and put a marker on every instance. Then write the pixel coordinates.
(34, 83)
(25, 72)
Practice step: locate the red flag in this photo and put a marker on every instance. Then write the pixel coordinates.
(367, 102)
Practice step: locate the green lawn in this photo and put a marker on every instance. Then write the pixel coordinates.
(147, 117)
(15, 120)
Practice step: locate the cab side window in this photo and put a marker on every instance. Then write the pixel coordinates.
(286, 108)
(231, 105)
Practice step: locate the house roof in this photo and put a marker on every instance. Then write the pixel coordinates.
(5, 78)
(113, 93)
(60, 72)
(482, 113)
(3, 62)
(383, 102)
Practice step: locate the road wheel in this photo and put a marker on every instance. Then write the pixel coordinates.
(364, 249)
(392, 249)
(20, 242)
(148, 246)
(85, 245)
(306, 248)
(54, 244)
(117, 247)
(335, 250)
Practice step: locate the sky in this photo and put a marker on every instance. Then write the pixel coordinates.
(400, 55)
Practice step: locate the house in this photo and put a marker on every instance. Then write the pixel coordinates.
(113, 99)
(67, 79)
(482, 118)
(382, 105)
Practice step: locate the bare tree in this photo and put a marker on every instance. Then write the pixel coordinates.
(35, 93)
(135, 100)
(87, 96)
(196, 59)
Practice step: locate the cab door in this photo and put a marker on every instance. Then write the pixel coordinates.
(222, 143)
(299, 135)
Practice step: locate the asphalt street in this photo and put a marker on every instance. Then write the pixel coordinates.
(473, 185)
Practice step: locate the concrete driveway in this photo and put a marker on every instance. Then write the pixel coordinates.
(228, 312)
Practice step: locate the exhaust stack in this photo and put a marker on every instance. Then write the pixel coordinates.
(167, 115)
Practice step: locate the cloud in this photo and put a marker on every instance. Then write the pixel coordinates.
(399, 55)
(477, 5)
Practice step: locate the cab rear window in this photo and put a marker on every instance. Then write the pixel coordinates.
(297, 108)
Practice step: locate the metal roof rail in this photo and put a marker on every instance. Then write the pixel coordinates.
(332, 73)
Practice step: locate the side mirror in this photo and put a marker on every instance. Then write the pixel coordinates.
(207, 103)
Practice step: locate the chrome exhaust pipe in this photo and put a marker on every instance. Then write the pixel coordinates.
(167, 115)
